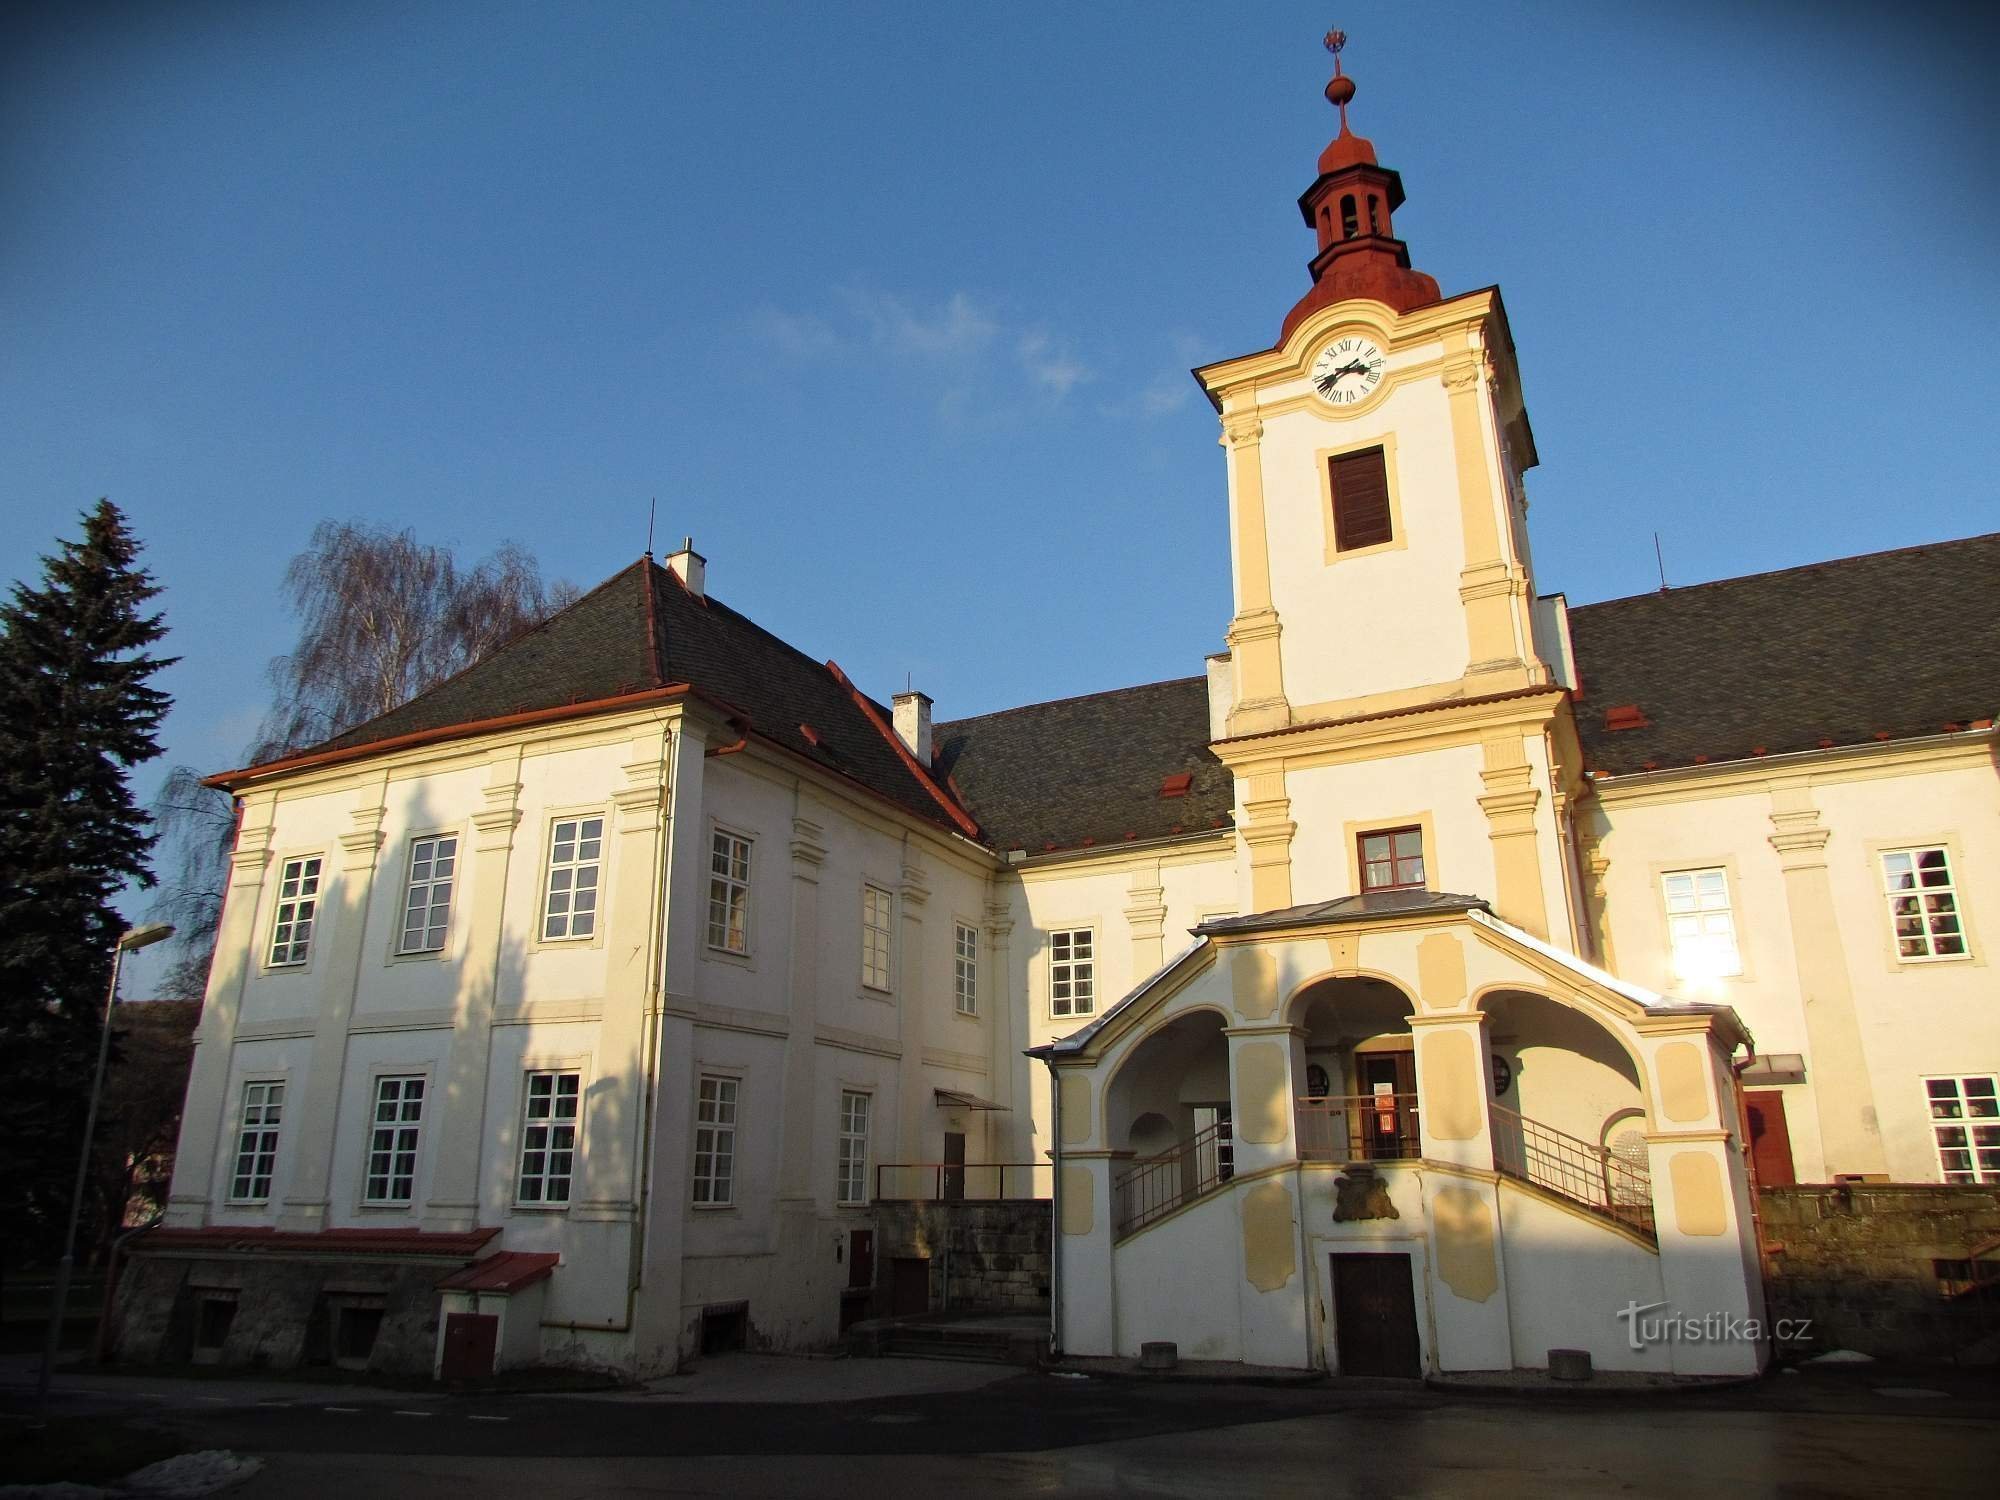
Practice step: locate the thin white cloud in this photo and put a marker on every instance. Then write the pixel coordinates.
(796, 336)
(960, 326)
(1049, 364)
(1165, 394)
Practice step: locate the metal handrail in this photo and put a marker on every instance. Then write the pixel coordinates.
(1160, 1184)
(1359, 1127)
(1581, 1171)
(962, 1181)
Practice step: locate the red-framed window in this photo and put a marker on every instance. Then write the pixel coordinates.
(1392, 860)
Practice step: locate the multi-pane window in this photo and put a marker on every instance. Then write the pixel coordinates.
(548, 1136)
(876, 905)
(257, 1142)
(1072, 972)
(298, 902)
(427, 902)
(965, 969)
(1392, 860)
(1965, 1119)
(1700, 925)
(1923, 903)
(851, 1183)
(729, 893)
(576, 854)
(392, 1140)
(715, 1140)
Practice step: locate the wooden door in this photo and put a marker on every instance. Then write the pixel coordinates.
(469, 1342)
(860, 1258)
(954, 1167)
(1375, 1316)
(1770, 1140)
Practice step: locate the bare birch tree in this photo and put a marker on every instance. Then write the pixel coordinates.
(382, 618)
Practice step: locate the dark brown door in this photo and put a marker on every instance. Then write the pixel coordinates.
(910, 1288)
(1375, 1316)
(1770, 1140)
(954, 1167)
(860, 1258)
(469, 1342)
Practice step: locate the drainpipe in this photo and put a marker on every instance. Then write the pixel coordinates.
(1750, 1170)
(1055, 1211)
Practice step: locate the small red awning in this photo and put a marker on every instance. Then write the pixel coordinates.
(508, 1271)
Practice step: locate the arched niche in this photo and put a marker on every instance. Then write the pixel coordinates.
(1170, 1072)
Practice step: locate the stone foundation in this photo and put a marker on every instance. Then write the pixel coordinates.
(990, 1256)
(1862, 1262)
(280, 1314)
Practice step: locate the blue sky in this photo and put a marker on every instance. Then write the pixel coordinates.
(891, 306)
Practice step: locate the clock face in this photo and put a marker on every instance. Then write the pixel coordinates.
(1348, 369)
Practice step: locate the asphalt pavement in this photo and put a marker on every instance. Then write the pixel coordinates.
(752, 1425)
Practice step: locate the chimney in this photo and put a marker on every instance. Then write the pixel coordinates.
(690, 567)
(913, 724)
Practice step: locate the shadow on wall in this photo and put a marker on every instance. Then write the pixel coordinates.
(274, 1310)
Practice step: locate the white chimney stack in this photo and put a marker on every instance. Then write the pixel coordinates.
(913, 724)
(690, 567)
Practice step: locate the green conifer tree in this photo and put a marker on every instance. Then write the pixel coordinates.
(76, 714)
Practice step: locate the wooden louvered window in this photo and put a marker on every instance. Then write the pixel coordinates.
(1360, 500)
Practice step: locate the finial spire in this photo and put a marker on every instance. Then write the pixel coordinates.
(1339, 88)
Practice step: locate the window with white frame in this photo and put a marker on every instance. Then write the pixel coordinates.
(427, 900)
(548, 1136)
(576, 856)
(851, 1182)
(392, 1140)
(298, 903)
(1965, 1122)
(729, 893)
(876, 907)
(1700, 925)
(965, 969)
(1923, 903)
(1072, 971)
(715, 1140)
(257, 1142)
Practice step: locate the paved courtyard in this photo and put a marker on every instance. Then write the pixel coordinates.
(751, 1425)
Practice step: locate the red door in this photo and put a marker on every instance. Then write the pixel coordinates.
(1770, 1141)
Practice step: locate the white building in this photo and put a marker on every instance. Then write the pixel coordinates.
(610, 982)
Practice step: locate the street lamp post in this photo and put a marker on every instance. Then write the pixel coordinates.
(132, 939)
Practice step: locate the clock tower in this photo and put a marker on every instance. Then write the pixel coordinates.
(1388, 659)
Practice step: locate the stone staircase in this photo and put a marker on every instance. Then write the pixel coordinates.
(1004, 1339)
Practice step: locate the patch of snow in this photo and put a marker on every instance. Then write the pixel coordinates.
(187, 1475)
(1842, 1357)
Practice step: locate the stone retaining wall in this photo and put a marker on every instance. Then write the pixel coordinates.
(1862, 1261)
(982, 1255)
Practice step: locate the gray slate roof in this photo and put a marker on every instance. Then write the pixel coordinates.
(641, 629)
(1088, 771)
(1894, 644)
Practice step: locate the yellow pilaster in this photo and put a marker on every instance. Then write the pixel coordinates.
(1493, 588)
(1509, 802)
(1253, 633)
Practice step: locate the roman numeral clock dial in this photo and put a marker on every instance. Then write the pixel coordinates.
(1348, 369)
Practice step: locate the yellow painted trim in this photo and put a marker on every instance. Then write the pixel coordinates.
(1967, 750)
(1437, 727)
